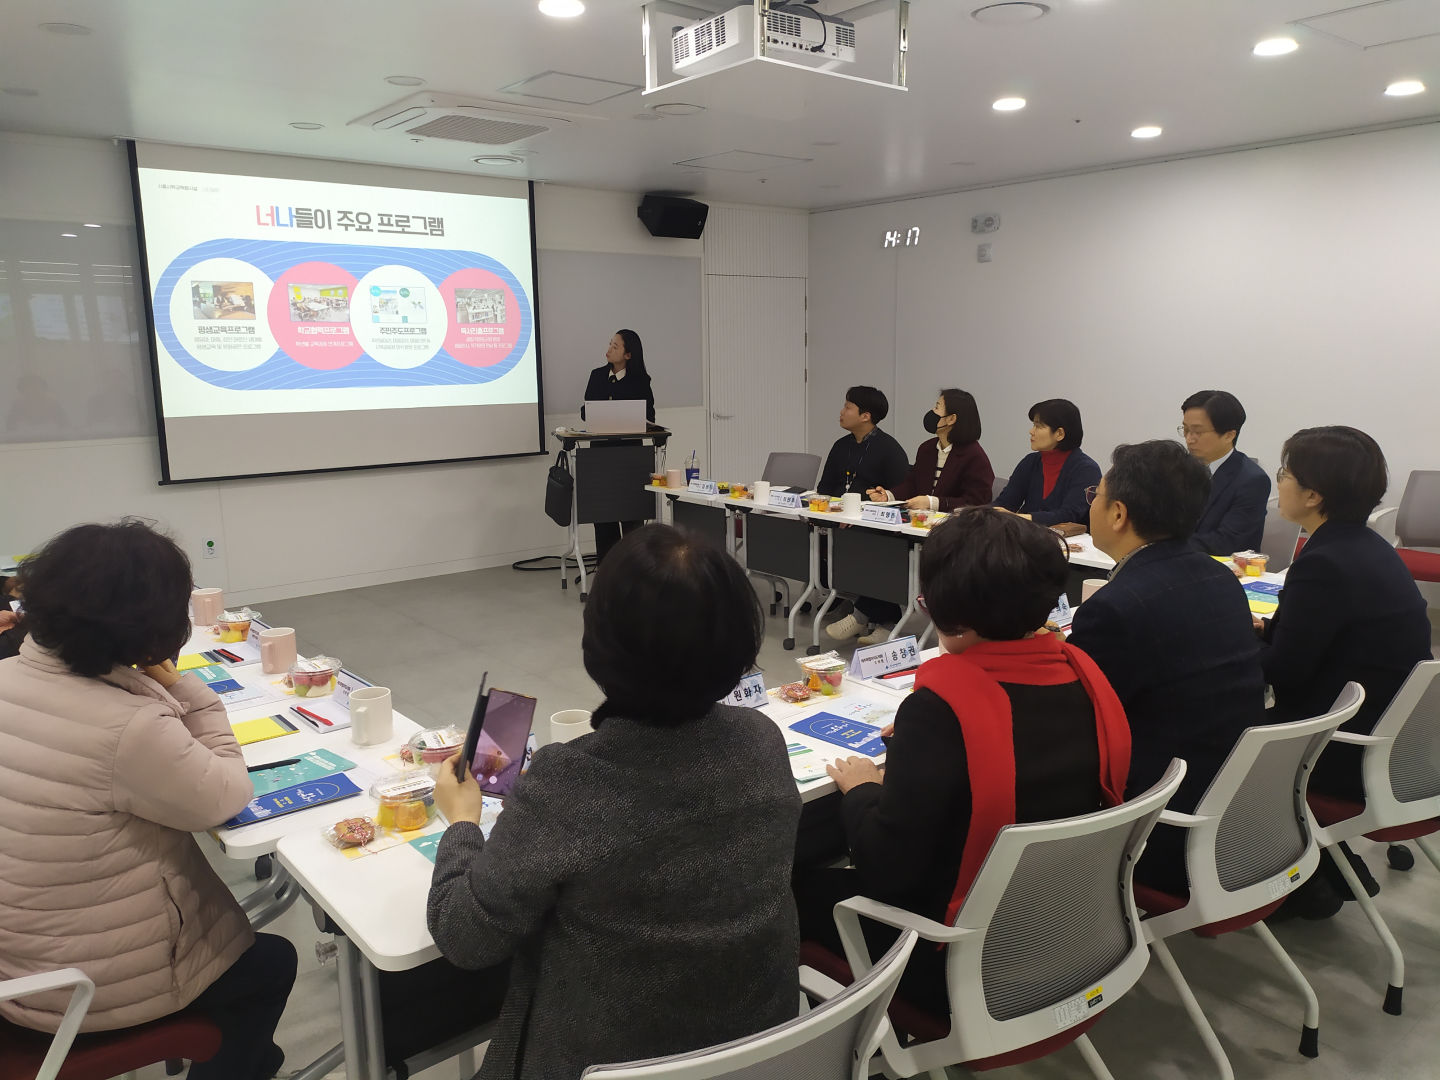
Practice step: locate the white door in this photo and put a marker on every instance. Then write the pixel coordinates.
(756, 331)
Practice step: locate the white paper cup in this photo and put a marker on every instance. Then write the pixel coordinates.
(206, 605)
(850, 502)
(761, 491)
(372, 717)
(675, 478)
(1089, 587)
(277, 649)
(569, 724)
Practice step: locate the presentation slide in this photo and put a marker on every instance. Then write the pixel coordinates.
(303, 325)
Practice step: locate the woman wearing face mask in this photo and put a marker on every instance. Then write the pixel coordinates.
(950, 471)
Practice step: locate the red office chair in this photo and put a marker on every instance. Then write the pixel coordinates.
(1417, 524)
(33, 1055)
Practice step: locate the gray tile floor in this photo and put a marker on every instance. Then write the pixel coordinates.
(429, 640)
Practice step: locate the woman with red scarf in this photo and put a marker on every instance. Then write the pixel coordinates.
(1009, 724)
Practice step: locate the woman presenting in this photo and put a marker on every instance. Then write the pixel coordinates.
(621, 378)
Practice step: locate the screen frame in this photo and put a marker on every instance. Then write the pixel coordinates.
(152, 349)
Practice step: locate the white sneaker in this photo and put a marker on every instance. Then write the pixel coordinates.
(846, 628)
(874, 636)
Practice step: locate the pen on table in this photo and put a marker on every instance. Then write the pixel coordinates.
(901, 674)
(315, 718)
(274, 765)
(234, 658)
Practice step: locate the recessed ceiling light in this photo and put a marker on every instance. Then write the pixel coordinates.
(404, 80)
(1008, 104)
(74, 29)
(498, 159)
(1010, 12)
(1275, 46)
(1149, 131)
(68, 235)
(562, 9)
(21, 91)
(677, 108)
(92, 225)
(1405, 87)
(305, 125)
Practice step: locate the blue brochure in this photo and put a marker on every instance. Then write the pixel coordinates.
(297, 797)
(851, 734)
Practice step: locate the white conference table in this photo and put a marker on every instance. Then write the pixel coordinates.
(1082, 550)
(377, 903)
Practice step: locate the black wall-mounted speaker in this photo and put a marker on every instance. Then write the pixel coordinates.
(668, 215)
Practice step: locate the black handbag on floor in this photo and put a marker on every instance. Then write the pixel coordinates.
(559, 485)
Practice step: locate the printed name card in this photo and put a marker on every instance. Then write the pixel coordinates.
(790, 500)
(881, 515)
(872, 661)
(255, 627)
(705, 487)
(748, 692)
(345, 682)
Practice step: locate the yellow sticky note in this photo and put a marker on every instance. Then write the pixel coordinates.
(253, 731)
(190, 661)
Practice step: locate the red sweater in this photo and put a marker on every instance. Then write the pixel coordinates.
(966, 480)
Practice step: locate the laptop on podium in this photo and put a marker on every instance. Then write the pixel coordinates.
(615, 417)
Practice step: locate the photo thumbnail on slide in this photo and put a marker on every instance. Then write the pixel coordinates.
(320, 303)
(223, 299)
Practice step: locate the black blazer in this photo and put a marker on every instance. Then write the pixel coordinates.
(1172, 632)
(1025, 493)
(633, 387)
(1349, 611)
(1234, 518)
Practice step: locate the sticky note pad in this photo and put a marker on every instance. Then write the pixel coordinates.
(190, 661)
(266, 727)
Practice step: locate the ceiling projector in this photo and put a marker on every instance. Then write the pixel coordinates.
(726, 38)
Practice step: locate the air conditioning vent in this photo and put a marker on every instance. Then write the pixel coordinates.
(466, 120)
(478, 130)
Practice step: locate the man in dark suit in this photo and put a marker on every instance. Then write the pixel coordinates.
(1234, 515)
(1171, 630)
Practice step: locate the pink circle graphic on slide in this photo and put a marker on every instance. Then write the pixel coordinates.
(310, 317)
(478, 336)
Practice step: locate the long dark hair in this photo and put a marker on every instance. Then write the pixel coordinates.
(636, 364)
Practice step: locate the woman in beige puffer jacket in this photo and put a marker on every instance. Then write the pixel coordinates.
(105, 771)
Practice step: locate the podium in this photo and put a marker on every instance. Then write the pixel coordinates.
(610, 471)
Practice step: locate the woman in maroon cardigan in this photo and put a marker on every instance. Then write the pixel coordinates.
(950, 471)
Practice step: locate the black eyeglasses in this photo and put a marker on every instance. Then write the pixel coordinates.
(1090, 493)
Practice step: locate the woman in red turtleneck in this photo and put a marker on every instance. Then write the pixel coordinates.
(1048, 486)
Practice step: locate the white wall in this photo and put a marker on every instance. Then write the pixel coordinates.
(294, 535)
(1302, 278)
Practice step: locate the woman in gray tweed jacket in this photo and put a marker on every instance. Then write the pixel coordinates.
(638, 881)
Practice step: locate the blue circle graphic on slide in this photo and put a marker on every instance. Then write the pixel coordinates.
(281, 372)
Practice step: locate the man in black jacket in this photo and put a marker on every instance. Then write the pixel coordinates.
(864, 457)
(1234, 515)
(1171, 630)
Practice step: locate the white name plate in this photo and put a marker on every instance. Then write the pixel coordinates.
(705, 487)
(749, 692)
(873, 661)
(790, 500)
(881, 515)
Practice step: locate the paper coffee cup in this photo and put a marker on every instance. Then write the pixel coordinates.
(761, 491)
(850, 502)
(372, 717)
(569, 724)
(675, 478)
(1089, 587)
(206, 605)
(277, 649)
